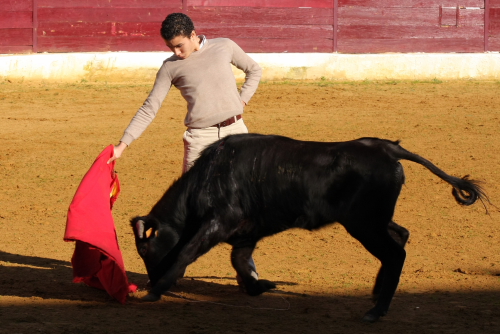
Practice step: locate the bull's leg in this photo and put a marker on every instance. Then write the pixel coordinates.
(255, 274)
(379, 243)
(241, 259)
(400, 235)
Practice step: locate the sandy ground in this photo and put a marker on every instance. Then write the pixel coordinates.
(51, 133)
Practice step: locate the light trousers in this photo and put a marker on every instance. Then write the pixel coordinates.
(195, 140)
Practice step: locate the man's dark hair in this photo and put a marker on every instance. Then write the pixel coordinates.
(176, 24)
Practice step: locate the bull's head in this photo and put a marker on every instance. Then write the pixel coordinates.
(153, 241)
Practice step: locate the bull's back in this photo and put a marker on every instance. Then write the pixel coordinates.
(286, 182)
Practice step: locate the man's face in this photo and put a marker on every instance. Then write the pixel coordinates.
(183, 46)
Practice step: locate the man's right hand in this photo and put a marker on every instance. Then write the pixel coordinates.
(118, 150)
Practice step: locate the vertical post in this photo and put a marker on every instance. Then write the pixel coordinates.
(335, 23)
(486, 25)
(35, 26)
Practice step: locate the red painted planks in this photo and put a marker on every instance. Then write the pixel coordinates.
(470, 17)
(260, 45)
(411, 3)
(407, 32)
(262, 3)
(15, 49)
(17, 5)
(103, 14)
(388, 16)
(289, 32)
(494, 28)
(251, 16)
(16, 37)
(430, 45)
(100, 44)
(109, 3)
(494, 44)
(406, 16)
(99, 29)
(16, 19)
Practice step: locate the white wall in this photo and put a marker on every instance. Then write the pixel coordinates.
(123, 66)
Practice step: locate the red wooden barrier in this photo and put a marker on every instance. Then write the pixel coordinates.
(493, 31)
(16, 26)
(345, 26)
(368, 26)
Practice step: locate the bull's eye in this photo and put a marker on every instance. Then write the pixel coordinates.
(143, 251)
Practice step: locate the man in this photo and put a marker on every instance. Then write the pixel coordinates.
(201, 69)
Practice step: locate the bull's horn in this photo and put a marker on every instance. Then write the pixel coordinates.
(139, 226)
(148, 232)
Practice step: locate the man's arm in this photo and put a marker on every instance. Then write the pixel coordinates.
(253, 72)
(146, 113)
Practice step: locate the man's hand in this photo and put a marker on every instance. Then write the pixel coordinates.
(118, 150)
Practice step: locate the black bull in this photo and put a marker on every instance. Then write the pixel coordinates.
(247, 187)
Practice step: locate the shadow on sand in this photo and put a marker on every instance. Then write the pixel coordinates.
(37, 295)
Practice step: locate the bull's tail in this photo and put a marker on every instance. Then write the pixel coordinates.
(465, 191)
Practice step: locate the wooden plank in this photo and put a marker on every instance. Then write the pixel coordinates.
(16, 37)
(494, 3)
(261, 45)
(103, 14)
(494, 27)
(411, 3)
(100, 44)
(494, 44)
(269, 32)
(139, 29)
(99, 29)
(35, 26)
(430, 45)
(408, 33)
(16, 19)
(248, 15)
(15, 49)
(120, 43)
(262, 3)
(110, 4)
(471, 17)
(335, 24)
(17, 5)
(388, 16)
(404, 16)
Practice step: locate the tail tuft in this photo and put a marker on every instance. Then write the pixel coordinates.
(467, 192)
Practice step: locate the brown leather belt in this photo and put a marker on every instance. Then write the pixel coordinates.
(228, 121)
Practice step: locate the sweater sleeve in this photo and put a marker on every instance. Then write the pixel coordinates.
(253, 72)
(147, 112)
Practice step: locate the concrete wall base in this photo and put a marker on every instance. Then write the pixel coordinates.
(142, 66)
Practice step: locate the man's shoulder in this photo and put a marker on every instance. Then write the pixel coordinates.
(172, 58)
(220, 41)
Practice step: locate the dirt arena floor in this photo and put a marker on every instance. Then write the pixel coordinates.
(51, 133)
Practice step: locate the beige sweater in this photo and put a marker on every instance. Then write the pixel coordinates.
(206, 81)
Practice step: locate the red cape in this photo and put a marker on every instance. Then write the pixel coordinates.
(97, 259)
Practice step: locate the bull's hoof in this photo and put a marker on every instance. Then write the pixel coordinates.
(373, 315)
(259, 287)
(150, 297)
(370, 318)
